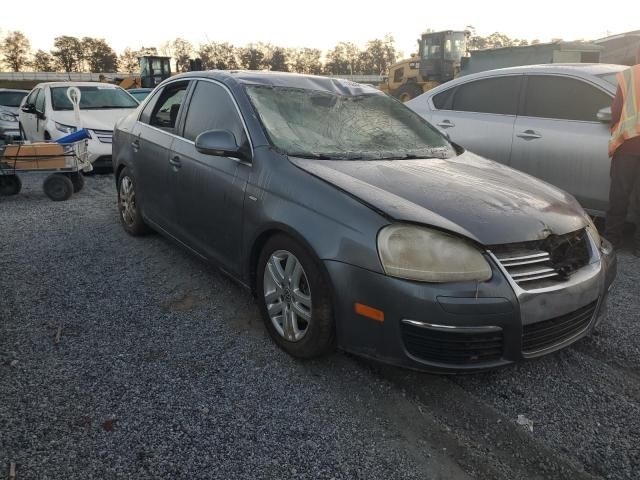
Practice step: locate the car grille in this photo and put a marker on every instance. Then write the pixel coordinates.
(456, 347)
(540, 264)
(542, 335)
(105, 136)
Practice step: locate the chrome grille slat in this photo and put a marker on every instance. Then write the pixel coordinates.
(533, 273)
(536, 264)
(538, 277)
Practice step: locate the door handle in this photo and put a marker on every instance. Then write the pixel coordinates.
(175, 162)
(528, 134)
(446, 124)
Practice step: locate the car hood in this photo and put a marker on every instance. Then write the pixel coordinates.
(6, 108)
(93, 119)
(468, 195)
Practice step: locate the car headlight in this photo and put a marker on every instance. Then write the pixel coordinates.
(8, 117)
(65, 128)
(593, 231)
(418, 253)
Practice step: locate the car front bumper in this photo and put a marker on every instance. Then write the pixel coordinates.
(9, 132)
(465, 327)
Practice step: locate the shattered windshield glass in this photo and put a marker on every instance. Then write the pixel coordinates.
(323, 125)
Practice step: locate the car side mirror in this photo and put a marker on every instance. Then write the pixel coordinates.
(29, 108)
(221, 143)
(604, 115)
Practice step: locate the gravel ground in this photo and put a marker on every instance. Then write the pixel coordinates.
(125, 357)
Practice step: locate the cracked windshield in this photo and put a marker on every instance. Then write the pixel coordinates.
(323, 125)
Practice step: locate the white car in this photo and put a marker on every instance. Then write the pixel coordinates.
(47, 114)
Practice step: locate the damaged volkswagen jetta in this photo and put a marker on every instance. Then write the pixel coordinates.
(357, 224)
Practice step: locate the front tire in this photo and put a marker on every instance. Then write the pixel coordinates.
(294, 299)
(408, 91)
(128, 210)
(58, 187)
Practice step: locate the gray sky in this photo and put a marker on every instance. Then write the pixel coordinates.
(321, 25)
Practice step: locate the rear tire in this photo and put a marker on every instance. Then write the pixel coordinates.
(129, 213)
(78, 181)
(294, 299)
(10, 185)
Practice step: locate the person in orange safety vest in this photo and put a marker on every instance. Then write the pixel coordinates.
(624, 148)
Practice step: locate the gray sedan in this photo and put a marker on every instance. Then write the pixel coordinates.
(551, 121)
(10, 100)
(356, 224)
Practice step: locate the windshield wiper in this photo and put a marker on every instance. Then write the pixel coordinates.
(316, 156)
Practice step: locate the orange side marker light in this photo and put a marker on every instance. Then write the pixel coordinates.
(369, 312)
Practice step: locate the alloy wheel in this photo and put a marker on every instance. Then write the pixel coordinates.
(287, 295)
(127, 201)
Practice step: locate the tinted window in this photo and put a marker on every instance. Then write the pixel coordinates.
(397, 75)
(93, 98)
(491, 95)
(211, 108)
(31, 99)
(11, 99)
(145, 116)
(442, 101)
(563, 98)
(40, 101)
(165, 110)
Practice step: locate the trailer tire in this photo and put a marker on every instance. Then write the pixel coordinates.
(10, 185)
(58, 187)
(408, 91)
(78, 181)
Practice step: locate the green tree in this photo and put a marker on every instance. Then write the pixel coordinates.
(343, 59)
(42, 62)
(279, 60)
(15, 50)
(182, 52)
(99, 56)
(128, 61)
(252, 57)
(306, 60)
(68, 53)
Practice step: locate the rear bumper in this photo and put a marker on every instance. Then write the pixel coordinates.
(458, 328)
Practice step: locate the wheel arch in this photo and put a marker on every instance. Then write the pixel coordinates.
(260, 240)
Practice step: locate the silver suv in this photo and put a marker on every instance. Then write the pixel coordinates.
(551, 121)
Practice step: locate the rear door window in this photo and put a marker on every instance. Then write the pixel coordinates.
(212, 108)
(563, 98)
(497, 95)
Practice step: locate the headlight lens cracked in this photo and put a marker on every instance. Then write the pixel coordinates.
(419, 253)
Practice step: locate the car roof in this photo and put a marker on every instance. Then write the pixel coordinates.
(283, 79)
(568, 68)
(19, 90)
(574, 69)
(76, 84)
